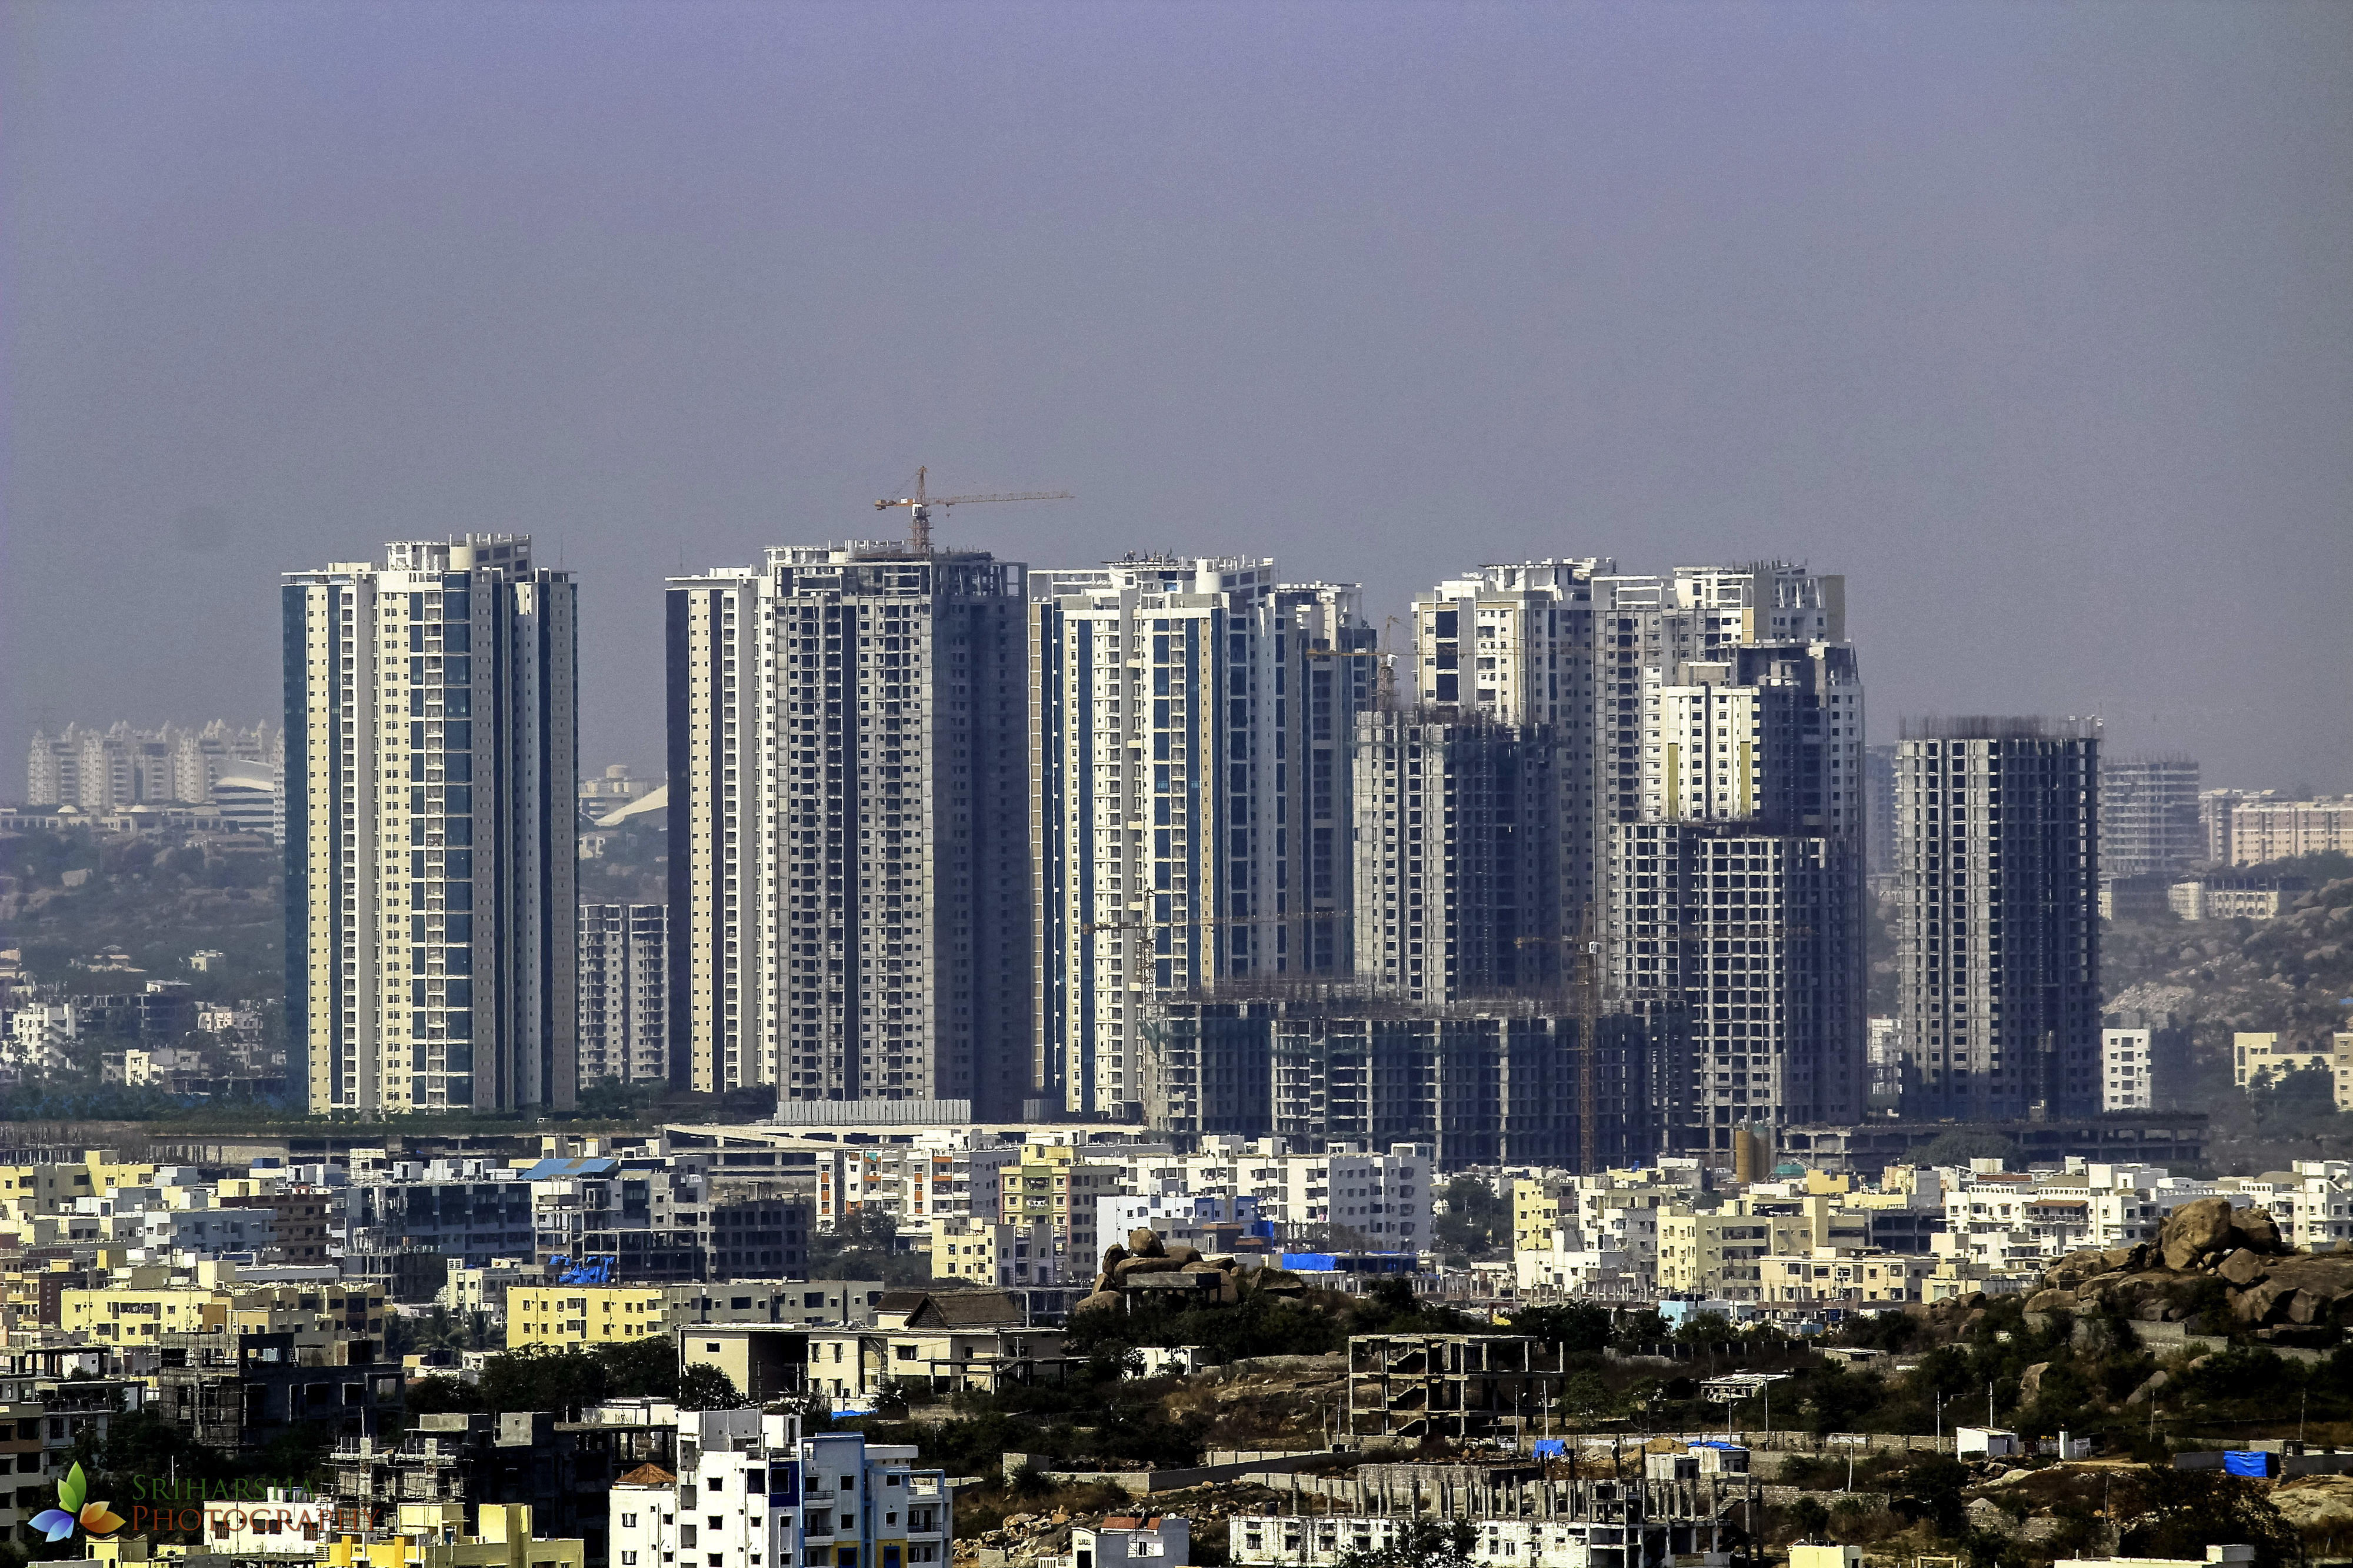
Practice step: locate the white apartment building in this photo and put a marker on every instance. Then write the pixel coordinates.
(429, 852)
(2267, 829)
(940, 1174)
(1190, 724)
(1207, 1225)
(1514, 644)
(1387, 1198)
(1996, 1219)
(2312, 1204)
(848, 800)
(2125, 1081)
(751, 1492)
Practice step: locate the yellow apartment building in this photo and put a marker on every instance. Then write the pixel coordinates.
(560, 1316)
(1711, 1254)
(1535, 1213)
(1053, 1184)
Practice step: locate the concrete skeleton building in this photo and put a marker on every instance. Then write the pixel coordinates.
(1190, 725)
(624, 973)
(849, 828)
(1997, 974)
(1457, 854)
(1760, 935)
(1488, 1082)
(430, 767)
(2148, 816)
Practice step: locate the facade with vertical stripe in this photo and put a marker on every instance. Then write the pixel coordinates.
(430, 776)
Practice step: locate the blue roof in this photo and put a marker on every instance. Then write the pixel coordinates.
(550, 1170)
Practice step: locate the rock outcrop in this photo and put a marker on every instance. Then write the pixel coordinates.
(1222, 1280)
(2269, 1286)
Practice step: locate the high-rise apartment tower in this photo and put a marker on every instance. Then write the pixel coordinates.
(430, 771)
(849, 862)
(1998, 945)
(1190, 723)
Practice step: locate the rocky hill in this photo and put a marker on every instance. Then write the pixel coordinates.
(2221, 1268)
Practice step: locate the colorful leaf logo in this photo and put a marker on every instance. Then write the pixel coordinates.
(96, 1519)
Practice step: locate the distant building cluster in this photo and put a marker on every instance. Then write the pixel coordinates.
(91, 774)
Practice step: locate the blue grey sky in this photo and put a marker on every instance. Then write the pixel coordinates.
(2033, 319)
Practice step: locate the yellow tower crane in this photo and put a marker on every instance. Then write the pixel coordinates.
(919, 505)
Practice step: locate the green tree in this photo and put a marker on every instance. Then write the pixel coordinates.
(641, 1369)
(1579, 1327)
(1958, 1148)
(440, 1395)
(1585, 1397)
(863, 1245)
(2180, 1513)
(1425, 1543)
(708, 1388)
(1473, 1217)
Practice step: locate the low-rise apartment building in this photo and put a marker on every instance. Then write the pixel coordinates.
(949, 1341)
(557, 1317)
(751, 1492)
(995, 1252)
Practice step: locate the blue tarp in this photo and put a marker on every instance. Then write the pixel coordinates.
(1548, 1449)
(2246, 1462)
(1351, 1262)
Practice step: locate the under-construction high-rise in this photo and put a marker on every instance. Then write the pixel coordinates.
(848, 831)
(1190, 725)
(1725, 700)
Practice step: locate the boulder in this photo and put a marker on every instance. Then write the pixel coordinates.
(1225, 1262)
(1185, 1253)
(2030, 1382)
(2131, 1260)
(2243, 1267)
(1099, 1300)
(2262, 1303)
(1147, 1244)
(1279, 1281)
(2149, 1386)
(2304, 1307)
(1129, 1268)
(2193, 1230)
(2258, 1229)
(2052, 1302)
(1114, 1255)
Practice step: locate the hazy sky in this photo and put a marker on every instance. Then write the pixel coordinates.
(2033, 319)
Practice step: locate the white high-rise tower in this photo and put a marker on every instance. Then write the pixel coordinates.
(430, 775)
